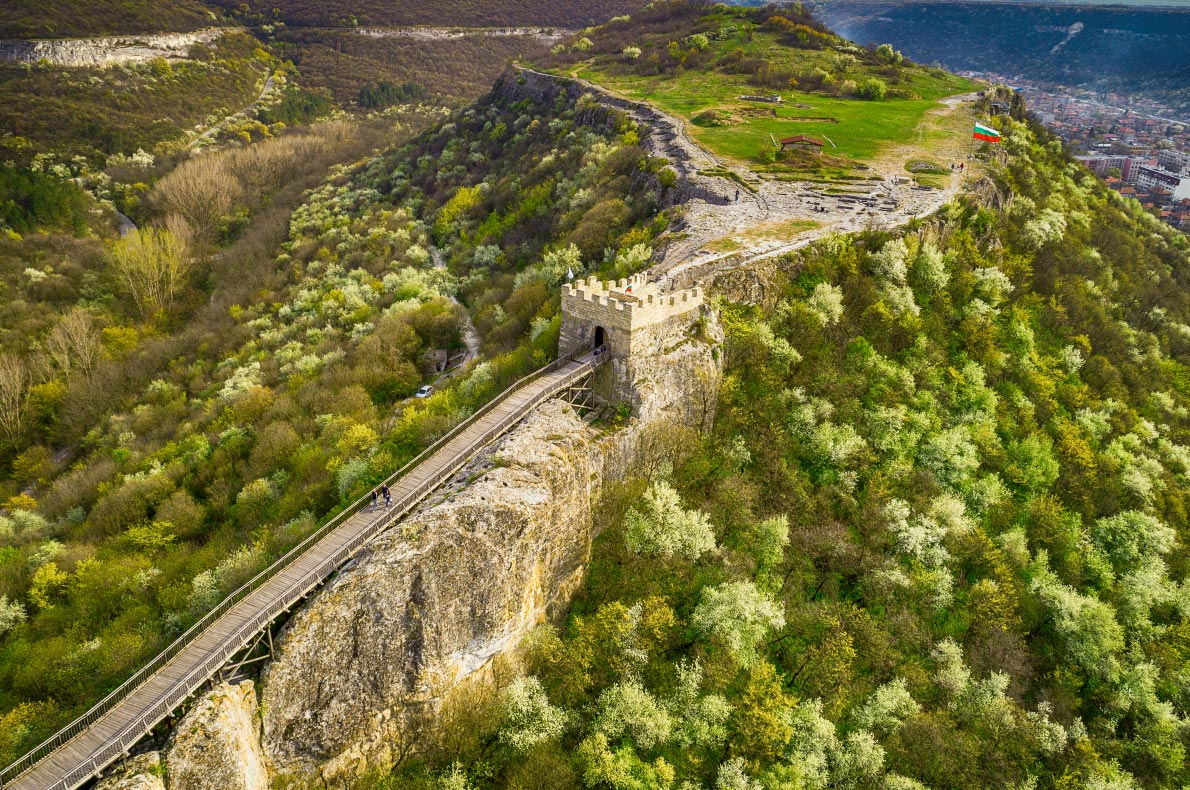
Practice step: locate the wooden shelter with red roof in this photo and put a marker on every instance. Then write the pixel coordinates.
(803, 143)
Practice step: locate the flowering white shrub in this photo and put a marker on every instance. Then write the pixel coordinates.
(827, 303)
(917, 536)
(950, 455)
(952, 673)
(889, 263)
(700, 720)
(350, 472)
(635, 257)
(661, 527)
(898, 782)
(991, 285)
(454, 779)
(529, 718)
(554, 267)
(1051, 737)
(1090, 634)
(812, 742)
(887, 708)
(1139, 471)
(733, 775)
(1049, 226)
(836, 444)
(628, 708)
(857, 762)
(22, 526)
(12, 614)
(240, 381)
(738, 615)
(929, 269)
(1129, 537)
(778, 347)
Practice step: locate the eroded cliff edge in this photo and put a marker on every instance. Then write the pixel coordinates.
(429, 604)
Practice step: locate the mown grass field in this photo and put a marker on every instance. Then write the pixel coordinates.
(855, 129)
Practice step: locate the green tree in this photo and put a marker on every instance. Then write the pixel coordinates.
(661, 527)
(737, 615)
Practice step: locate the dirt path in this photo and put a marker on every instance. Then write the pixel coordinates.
(243, 114)
(470, 336)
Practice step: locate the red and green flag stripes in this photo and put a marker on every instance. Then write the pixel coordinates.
(986, 133)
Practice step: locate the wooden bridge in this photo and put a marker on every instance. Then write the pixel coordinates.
(105, 733)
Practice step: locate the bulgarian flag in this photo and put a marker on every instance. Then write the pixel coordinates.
(986, 133)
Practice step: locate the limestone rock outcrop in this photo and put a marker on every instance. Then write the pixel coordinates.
(431, 602)
(428, 605)
(217, 744)
(140, 772)
(108, 50)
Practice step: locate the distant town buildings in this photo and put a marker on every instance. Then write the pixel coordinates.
(1140, 148)
(1149, 179)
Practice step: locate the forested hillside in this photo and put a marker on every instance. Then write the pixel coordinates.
(347, 63)
(494, 13)
(95, 113)
(196, 399)
(73, 18)
(937, 537)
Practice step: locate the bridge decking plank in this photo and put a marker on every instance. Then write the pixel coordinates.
(226, 631)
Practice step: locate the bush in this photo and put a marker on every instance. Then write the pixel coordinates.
(386, 94)
(30, 200)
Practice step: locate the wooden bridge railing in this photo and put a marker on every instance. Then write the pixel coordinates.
(278, 602)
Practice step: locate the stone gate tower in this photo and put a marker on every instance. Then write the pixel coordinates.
(635, 320)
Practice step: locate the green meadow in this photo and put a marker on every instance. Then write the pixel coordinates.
(854, 129)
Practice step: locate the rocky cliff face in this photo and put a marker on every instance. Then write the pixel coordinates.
(428, 605)
(142, 772)
(217, 744)
(107, 50)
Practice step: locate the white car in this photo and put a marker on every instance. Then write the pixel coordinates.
(425, 391)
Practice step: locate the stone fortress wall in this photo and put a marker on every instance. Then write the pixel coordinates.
(623, 306)
(639, 323)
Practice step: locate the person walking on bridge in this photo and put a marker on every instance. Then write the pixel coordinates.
(374, 496)
(388, 496)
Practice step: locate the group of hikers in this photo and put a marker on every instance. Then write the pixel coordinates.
(960, 167)
(383, 491)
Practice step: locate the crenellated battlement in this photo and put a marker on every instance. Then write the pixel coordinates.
(628, 304)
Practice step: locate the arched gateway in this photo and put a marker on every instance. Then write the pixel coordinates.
(631, 317)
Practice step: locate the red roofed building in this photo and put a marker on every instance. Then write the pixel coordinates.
(802, 142)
